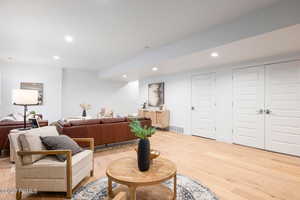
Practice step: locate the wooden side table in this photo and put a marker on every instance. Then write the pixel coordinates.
(125, 171)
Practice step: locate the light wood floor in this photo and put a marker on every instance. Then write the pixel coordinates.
(232, 172)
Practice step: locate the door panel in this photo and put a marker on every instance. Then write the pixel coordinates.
(283, 100)
(203, 102)
(248, 100)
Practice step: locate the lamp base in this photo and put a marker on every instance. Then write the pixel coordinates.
(24, 129)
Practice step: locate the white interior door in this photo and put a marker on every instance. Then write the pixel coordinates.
(283, 104)
(203, 105)
(248, 105)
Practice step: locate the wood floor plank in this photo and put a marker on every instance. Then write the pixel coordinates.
(232, 172)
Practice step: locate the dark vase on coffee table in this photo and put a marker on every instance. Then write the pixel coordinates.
(143, 150)
(143, 154)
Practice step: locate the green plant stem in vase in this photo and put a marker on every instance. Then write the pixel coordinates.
(143, 152)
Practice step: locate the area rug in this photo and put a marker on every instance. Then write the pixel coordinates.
(187, 189)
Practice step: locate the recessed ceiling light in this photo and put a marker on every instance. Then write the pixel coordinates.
(124, 76)
(214, 54)
(154, 69)
(68, 38)
(56, 57)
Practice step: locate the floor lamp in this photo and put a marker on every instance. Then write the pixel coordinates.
(25, 98)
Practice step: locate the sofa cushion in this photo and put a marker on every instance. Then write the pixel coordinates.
(31, 142)
(85, 122)
(60, 143)
(113, 120)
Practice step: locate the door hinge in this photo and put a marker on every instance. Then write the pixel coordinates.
(232, 104)
(232, 131)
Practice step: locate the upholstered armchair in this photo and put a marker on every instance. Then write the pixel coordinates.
(48, 173)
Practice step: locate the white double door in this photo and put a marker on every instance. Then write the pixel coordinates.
(266, 107)
(203, 105)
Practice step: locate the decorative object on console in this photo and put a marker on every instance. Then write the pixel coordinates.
(156, 94)
(105, 113)
(85, 107)
(143, 151)
(25, 98)
(162, 107)
(39, 87)
(34, 123)
(144, 105)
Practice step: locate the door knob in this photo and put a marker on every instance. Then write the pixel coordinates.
(192, 108)
(268, 112)
(260, 111)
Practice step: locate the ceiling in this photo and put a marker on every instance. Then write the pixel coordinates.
(106, 32)
(277, 43)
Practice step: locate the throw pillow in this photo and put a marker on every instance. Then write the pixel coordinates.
(7, 119)
(31, 142)
(61, 142)
(18, 116)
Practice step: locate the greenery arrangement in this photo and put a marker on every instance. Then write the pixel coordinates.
(141, 132)
(32, 112)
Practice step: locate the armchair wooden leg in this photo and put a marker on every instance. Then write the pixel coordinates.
(92, 173)
(69, 194)
(18, 195)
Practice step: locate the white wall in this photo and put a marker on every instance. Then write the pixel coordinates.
(86, 87)
(14, 74)
(65, 89)
(178, 97)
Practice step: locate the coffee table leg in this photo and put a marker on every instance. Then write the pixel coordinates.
(132, 192)
(175, 187)
(110, 192)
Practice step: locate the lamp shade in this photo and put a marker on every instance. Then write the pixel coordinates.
(25, 97)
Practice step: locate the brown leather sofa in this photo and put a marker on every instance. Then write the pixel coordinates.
(5, 128)
(104, 131)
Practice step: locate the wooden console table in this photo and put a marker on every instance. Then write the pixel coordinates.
(159, 118)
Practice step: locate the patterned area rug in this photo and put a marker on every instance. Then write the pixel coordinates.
(187, 189)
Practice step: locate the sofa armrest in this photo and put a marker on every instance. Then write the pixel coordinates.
(88, 140)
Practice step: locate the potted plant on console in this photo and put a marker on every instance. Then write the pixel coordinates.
(143, 151)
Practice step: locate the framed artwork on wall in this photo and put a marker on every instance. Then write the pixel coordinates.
(156, 94)
(35, 86)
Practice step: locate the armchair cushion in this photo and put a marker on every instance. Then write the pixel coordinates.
(60, 143)
(51, 168)
(31, 142)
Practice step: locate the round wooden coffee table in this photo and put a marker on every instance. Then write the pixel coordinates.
(125, 171)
